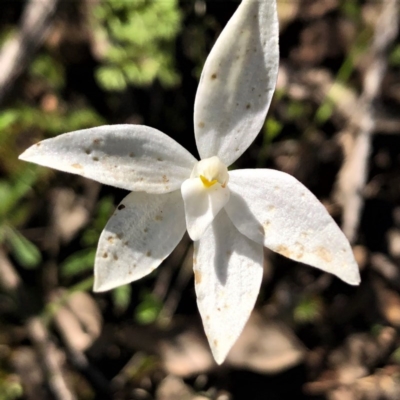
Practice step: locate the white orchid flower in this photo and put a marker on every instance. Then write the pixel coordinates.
(230, 215)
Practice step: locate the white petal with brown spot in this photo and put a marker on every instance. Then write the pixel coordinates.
(276, 210)
(237, 82)
(228, 272)
(143, 231)
(131, 157)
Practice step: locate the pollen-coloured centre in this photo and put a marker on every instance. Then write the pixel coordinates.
(211, 171)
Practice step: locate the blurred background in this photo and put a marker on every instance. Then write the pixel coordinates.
(334, 124)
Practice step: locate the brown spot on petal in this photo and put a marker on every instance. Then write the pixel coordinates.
(115, 257)
(214, 76)
(165, 179)
(96, 141)
(77, 166)
(248, 106)
(119, 235)
(197, 277)
(159, 159)
(303, 235)
(215, 343)
(266, 225)
(38, 144)
(299, 250)
(95, 158)
(323, 253)
(121, 207)
(105, 255)
(131, 155)
(284, 250)
(110, 239)
(201, 125)
(158, 218)
(148, 254)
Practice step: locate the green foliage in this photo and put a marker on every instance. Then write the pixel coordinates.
(10, 388)
(139, 37)
(12, 212)
(47, 69)
(7, 118)
(324, 112)
(78, 262)
(272, 129)
(13, 190)
(394, 58)
(351, 8)
(308, 309)
(148, 309)
(121, 297)
(24, 251)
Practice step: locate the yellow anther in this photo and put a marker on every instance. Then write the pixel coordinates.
(206, 182)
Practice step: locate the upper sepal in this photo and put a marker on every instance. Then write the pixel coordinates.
(237, 82)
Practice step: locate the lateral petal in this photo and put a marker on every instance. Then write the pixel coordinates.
(131, 157)
(274, 208)
(202, 204)
(143, 231)
(237, 82)
(228, 273)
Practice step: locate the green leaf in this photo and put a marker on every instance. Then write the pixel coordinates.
(394, 58)
(24, 251)
(148, 309)
(121, 297)
(111, 78)
(308, 309)
(47, 68)
(80, 261)
(324, 112)
(272, 129)
(7, 118)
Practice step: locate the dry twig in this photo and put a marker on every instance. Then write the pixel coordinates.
(18, 51)
(357, 136)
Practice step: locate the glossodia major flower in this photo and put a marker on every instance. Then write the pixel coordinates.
(230, 215)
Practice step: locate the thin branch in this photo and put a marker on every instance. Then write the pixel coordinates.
(353, 175)
(19, 50)
(50, 359)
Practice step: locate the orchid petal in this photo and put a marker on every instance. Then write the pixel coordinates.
(237, 82)
(273, 208)
(131, 157)
(202, 204)
(228, 273)
(138, 237)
